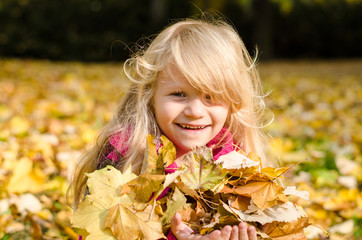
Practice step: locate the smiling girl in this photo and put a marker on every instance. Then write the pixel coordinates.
(197, 85)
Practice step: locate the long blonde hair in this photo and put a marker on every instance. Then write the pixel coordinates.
(213, 58)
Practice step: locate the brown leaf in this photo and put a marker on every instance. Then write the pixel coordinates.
(286, 230)
(218, 222)
(241, 203)
(36, 231)
(265, 194)
(294, 236)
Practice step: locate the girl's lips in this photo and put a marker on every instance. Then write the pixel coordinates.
(191, 127)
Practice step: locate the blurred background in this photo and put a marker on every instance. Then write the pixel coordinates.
(61, 78)
(99, 30)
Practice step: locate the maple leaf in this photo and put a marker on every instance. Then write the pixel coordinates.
(156, 161)
(92, 213)
(195, 216)
(167, 151)
(287, 230)
(175, 204)
(131, 221)
(241, 202)
(200, 172)
(146, 185)
(265, 194)
(108, 181)
(151, 161)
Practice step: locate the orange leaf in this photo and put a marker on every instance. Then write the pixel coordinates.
(241, 203)
(264, 194)
(287, 230)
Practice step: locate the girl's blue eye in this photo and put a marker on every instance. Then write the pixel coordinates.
(179, 94)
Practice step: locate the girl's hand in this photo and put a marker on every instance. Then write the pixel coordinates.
(240, 232)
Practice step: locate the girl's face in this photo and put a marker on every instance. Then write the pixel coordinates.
(185, 115)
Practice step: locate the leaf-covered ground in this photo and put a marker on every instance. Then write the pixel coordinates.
(50, 112)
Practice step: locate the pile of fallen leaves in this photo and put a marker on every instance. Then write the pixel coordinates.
(209, 195)
(50, 113)
(318, 117)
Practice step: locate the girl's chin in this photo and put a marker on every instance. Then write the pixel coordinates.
(184, 150)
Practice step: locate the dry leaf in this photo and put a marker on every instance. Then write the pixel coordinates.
(200, 172)
(236, 160)
(293, 191)
(92, 213)
(279, 213)
(265, 194)
(128, 223)
(287, 230)
(108, 181)
(156, 161)
(175, 204)
(147, 186)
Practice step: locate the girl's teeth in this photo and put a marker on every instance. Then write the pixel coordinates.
(192, 127)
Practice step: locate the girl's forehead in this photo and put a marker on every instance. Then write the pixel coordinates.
(172, 75)
(173, 79)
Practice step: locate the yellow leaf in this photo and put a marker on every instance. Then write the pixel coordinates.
(167, 151)
(146, 185)
(175, 204)
(273, 173)
(19, 126)
(25, 178)
(92, 213)
(127, 223)
(155, 162)
(108, 181)
(200, 172)
(152, 162)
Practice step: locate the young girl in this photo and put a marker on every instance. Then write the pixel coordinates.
(197, 85)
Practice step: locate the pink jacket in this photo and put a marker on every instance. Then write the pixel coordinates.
(118, 140)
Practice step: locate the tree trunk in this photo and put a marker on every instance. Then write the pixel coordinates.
(262, 28)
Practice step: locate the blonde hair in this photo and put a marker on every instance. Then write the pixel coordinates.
(213, 58)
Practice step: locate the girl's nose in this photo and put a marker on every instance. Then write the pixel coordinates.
(195, 108)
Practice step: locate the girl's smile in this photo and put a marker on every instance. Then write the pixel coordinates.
(192, 127)
(185, 115)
